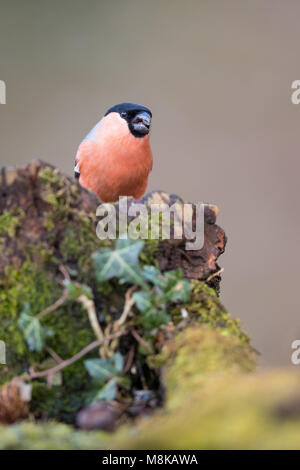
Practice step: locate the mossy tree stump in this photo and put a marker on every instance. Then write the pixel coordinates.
(47, 232)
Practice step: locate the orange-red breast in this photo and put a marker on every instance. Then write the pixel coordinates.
(115, 158)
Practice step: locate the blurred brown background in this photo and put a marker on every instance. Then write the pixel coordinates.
(217, 76)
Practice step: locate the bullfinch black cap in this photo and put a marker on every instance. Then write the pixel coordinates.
(137, 117)
(131, 108)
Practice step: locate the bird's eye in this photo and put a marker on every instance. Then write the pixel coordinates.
(123, 114)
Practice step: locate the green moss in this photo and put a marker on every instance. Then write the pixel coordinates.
(71, 329)
(198, 351)
(78, 244)
(68, 238)
(147, 256)
(55, 191)
(78, 239)
(205, 307)
(26, 284)
(10, 220)
(235, 411)
(48, 436)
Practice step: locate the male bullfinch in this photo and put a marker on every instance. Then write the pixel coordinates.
(115, 158)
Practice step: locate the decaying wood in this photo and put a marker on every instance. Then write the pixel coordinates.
(196, 264)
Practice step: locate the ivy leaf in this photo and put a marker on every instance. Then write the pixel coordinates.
(152, 274)
(125, 382)
(153, 318)
(175, 287)
(152, 308)
(170, 279)
(106, 370)
(100, 369)
(107, 392)
(143, 300)
(34, 333)
(181, 291)
(121, 262)
(103, 369)
(118, 362)
(76, 290)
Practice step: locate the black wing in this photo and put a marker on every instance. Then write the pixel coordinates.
(76, 171)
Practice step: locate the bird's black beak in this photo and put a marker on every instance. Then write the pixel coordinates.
(141, 123)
